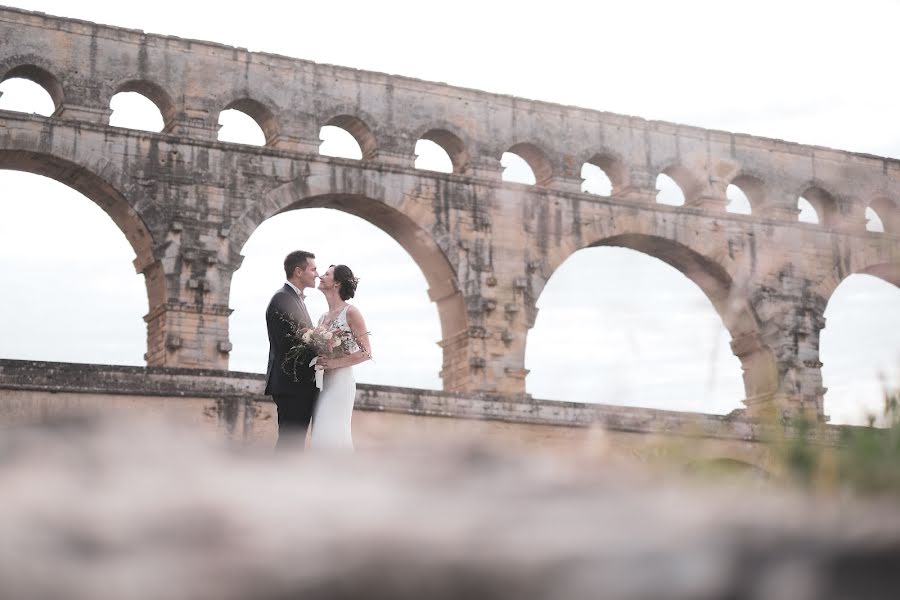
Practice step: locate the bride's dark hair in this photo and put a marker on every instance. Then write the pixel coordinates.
(344, 276)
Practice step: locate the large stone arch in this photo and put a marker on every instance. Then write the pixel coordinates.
(728, 297)
(399, 205)
(881, 260)
(87, 180)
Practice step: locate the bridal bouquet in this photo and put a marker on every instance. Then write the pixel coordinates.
(318, 341)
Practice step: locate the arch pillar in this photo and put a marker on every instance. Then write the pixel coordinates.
(501, 312)
(792, 319)
(486, 166)
(197, 122)
(187, 325)
(851, 215)
(82, 102)
(780, 204)
(640, 187)
(712, 195)
(393, 150)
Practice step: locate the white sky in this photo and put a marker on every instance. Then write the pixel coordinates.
(622, 328)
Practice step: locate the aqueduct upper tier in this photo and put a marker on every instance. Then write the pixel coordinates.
(188, 202)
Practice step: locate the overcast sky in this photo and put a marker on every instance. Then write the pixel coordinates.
(640, 333)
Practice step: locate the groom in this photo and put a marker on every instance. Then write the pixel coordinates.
(286, 314)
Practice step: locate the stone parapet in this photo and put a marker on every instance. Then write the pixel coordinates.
(166, 383)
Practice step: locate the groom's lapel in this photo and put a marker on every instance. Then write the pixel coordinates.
(303, 312)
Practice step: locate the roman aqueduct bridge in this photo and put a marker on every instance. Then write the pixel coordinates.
(187, 202)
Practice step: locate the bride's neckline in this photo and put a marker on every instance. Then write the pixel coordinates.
(329, 319)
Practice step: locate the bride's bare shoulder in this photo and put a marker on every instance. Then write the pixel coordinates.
(354, 313)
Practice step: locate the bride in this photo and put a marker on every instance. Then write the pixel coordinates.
(334, 409)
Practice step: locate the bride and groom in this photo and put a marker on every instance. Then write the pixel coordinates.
(295, 393)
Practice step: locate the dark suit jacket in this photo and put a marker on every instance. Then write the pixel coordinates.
(286, 306)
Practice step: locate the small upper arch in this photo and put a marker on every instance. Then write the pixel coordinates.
(37, 73)
(888, 212)
(687, 181)
(612, 165)
(153, 92)
(449, 139)
(259, 112)
(537, 160)
(360, 131)
(821, 200)
(752, 185)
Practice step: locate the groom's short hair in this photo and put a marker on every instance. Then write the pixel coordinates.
(295, 259)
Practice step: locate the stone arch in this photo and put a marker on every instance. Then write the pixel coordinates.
(360, 131)
(406, 217)
(690, 184)
(260, 113)
(613, 165)
(153, 92)
(889, 271)
(879, 260)
(34, 70)
(822, 201)
(537, 160)
(752, 185)
(758, 362)
(452, 144)
(847, 324)
(86, 180)
(889, 213)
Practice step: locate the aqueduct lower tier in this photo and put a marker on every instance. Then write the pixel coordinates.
(188, 203)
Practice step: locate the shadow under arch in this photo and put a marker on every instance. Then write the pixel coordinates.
(760, 374)
(414, 238)
(109, 199)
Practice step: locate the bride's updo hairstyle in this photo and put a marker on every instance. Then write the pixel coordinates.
(344, 276)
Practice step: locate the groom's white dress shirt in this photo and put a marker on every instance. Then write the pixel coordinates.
(298, 290)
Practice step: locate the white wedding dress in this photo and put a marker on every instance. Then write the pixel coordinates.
(334, 409)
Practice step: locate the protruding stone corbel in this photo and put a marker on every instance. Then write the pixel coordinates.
(91, 114)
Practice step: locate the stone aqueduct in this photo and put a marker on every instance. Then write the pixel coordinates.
(187, 202)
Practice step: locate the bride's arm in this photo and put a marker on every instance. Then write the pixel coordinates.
(361, 335)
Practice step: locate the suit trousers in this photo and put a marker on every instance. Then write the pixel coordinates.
(294, 414)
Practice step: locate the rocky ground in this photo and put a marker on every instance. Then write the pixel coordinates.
(96, 509)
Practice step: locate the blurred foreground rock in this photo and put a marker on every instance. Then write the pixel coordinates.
(94, 509)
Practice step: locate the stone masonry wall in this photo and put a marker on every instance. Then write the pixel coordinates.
(188, 203)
